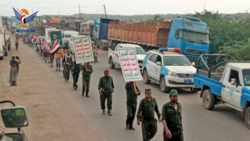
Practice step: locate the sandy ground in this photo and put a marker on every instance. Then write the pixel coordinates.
(53, 113)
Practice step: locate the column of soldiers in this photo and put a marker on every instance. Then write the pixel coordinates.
(171, 116)
(171, 112)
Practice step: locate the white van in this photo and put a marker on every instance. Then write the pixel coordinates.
(67, 36)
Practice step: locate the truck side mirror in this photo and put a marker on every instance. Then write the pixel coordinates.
(233, 81)
(158, 63)
(13, 137)
(14, 117)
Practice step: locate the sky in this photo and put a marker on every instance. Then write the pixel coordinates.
(124, 7)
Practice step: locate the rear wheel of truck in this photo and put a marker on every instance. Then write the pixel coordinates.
(247, 117)
(112, 65)
(163, 86)
(145, 77)
(208, 100)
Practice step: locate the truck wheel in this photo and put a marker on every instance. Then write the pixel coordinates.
(145, 77)
(247, 117)
(1, 58)
(163, 86)
(112, 65)
(208, 100)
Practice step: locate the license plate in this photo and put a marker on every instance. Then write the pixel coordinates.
(187, 81)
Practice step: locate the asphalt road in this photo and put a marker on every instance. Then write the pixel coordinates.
(57, 112)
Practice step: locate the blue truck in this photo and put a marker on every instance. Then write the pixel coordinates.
(191, 35)
(227, 81)
(100, 32)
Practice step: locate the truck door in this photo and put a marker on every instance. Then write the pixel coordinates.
(231, 91)
(150, 66)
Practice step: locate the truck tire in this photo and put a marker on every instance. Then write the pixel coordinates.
(208, 100)
(145, 77)
(163, 86)
(112, 65)
(1, 57)
(247, 117)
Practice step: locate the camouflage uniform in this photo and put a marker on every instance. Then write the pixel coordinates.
(67, 66)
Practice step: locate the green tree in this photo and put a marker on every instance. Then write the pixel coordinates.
(223, 31)
(239, 50)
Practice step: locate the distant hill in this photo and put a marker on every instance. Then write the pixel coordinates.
(86, 17)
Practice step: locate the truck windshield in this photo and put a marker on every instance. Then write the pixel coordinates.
(139, 50)
(176, 61)
(67, 36)
(196, 37)
(246, 77)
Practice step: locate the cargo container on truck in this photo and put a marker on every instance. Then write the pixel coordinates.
(190, 34)
(86, 28)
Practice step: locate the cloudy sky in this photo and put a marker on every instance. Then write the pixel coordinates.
(123, 7)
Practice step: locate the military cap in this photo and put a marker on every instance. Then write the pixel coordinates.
(173, 92)
(147, 90)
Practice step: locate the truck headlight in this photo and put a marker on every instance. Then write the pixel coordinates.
(171, 73)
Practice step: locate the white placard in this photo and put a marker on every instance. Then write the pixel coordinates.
(83, 49)
(129, 64)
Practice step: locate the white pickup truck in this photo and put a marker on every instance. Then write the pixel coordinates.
(113, 55)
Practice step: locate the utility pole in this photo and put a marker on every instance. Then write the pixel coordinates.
(105, 10)
(79, 12)
(59, 13)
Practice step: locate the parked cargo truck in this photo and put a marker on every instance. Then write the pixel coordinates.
(190, 34)
(100, 32)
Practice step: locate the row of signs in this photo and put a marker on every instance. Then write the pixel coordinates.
(84, 53)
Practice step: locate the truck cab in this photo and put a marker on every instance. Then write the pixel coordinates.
(168, 68)
(227, 82)
(191, 35)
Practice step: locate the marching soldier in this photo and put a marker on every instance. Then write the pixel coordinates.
(172, 119)
(145, 114)
(132, 92)
(75, 73)
(106, 87)
(67, 62)
(86, 73)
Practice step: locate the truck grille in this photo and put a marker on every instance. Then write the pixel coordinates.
(140, 61)
(183, 75)
(179, 83)
(195, 51)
